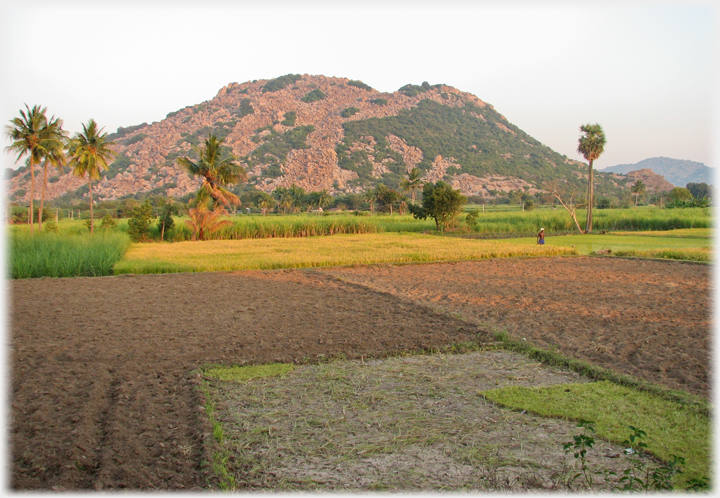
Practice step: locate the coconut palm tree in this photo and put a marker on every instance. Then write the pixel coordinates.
(204, 222)
(54, 154)
(31, 135)
(323, 198)
(412, 183)
(90, 153)
(638, 189)
(217, 170)
(265, 202)
(591, 144)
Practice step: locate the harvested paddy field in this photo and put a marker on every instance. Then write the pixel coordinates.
(104, 381)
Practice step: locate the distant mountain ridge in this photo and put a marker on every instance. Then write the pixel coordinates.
(332, 133)
(679, 172)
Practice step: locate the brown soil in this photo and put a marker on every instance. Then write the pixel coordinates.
(103, 390)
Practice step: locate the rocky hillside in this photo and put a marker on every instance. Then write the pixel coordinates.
(653, 181)
(335, 134)
(679, 172)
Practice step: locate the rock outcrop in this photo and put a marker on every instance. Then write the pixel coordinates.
(283, 137)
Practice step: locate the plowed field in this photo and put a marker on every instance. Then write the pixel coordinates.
(102, 385)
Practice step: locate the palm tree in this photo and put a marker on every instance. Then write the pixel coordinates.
(370, 196)
(204, 222)
(89, 153)
(53, 154)
(217, 172)
(265, 202)
(412, 183)
(31, 135)
(638, 189)
(591, 144)
(323, 198)
(297, 195)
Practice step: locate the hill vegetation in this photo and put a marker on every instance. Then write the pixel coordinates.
(332, 134)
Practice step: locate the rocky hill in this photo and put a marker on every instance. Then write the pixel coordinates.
(653, 181)
(679, 172)
(337, 134)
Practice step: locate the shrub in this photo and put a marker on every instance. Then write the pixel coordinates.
(139, 223)
(379, 101)
(314, 96)
(137, 138)
(108, 222)
(350, 111)
(279, 83)
(290, 118)
(359, 84)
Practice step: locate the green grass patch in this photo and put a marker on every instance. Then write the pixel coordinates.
(249, 372)
(65, 255)
(672, 428)
(695, 245)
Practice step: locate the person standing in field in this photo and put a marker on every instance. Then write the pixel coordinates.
(541, 237)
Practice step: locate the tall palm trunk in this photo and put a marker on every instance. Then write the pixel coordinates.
(32, 195)
(590, 199)
(92, 220)
(42, 197)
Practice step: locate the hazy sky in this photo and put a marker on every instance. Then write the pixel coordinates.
(645, 71)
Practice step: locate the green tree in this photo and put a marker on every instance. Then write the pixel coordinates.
(264, 202)
(638, 189)
(139, 222)
(387, 197)
(217, 170)
(370, 197)
(54, 154)
(297, 197)
(323, 198)
(680, 194)
(89, 153)
(441, 203)
(591, 145)
(699, 190)
(34, 135)
(412, 183)
(165, 220)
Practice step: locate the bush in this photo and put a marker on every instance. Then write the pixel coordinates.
(314, 96)
(379, 101)
(359, 84)
(139, 223)
(280, 83)
(350, 111)
(107, 222)
(290, 118)
(135, 139)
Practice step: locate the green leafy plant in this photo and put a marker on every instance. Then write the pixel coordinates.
(640, 475)
(579, 446)
(108, 222)
(139, 223)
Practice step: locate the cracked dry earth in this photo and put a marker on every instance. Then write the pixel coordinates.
(103, 390)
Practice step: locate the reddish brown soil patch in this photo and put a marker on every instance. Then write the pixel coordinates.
(646, 318)
(102, 390)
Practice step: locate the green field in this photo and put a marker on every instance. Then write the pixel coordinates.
(311, 240)
(693, 244)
